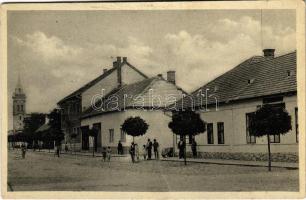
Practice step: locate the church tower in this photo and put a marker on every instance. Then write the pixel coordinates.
(19, 107)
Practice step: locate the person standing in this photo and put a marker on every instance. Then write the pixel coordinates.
(136, 152)
(104, 154)
(144, 152)
(181, 147)
(58, 150)
(132, 152)
(120, 148)
(155, 148)
(149, 146)
(108, 154)
(194, 148)
(23, 151)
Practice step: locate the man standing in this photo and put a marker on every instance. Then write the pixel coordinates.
(149, 146)
(132, 152)
(181, 147)
(194, 148)
(155, 148)
(120, 148)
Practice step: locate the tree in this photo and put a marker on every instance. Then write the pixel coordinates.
(93, 132)
(31, 124)
(55, 126)
(186, 123)
(270, 120)
(134, 126)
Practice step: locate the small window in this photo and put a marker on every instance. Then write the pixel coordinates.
(122, 136)
(210, 133)
(18, 108)
(250, 81)
(220, 132)
(20, 117)
(111, 135)
(289, 73)
(251, 139)
(21, 107)
(275, 138)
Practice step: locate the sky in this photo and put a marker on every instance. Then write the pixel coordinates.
(56, 52)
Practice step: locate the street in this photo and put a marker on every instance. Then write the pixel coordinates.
(41, 171)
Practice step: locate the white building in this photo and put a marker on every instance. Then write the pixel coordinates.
(238, 93)
(146, 99)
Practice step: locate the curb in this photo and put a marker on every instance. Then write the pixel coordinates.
(80, 154)
(238, 164)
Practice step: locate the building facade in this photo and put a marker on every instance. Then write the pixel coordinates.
(229, 101)
(147, 99)
(73, 105)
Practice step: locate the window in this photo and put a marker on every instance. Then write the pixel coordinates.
(251, 139)
(275, 138)
(20, 117)
(210, 133)
(18, 108)
(289, 73)
(250, 81)
(122, 136)
(111, 135)
(21, 107)
(296, 125)
(220, 133)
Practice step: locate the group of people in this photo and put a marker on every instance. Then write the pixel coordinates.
(146, 150)
(106, 153)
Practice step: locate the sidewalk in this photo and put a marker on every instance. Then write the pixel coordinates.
(79, 153)
(235, 162)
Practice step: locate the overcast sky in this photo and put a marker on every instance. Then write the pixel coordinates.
(56, 52)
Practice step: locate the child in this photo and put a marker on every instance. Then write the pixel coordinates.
(108, 154)
(104, 154)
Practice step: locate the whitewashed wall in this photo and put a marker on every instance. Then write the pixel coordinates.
(234, 118)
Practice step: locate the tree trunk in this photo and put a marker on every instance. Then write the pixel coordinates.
(185, 161)
(269, 153)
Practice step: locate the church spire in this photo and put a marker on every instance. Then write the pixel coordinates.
(18, 89)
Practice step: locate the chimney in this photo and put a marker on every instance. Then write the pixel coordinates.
(104, 71)
(269, 53)
(171, 76)
(124, 59)
(119, 75)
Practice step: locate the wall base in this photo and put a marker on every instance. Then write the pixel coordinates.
(276, 157)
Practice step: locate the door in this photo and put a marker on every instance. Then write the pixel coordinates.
(98, 138)
(85, 137)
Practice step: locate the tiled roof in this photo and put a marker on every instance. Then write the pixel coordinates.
(255, 77)
(128, 96)
(93, 82)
